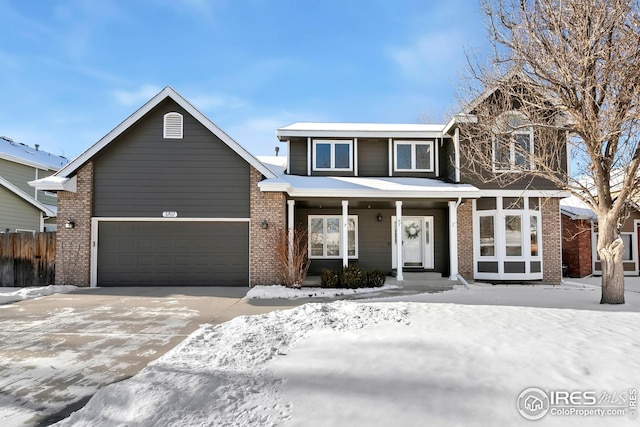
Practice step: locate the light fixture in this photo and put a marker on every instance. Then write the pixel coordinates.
(264, 224)
(69, 224)
(379, 217)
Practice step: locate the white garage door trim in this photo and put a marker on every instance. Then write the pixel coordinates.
(94, 235)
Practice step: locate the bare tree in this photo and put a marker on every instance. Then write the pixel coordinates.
(572, 68)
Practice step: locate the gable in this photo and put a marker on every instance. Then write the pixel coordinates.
(142, 174)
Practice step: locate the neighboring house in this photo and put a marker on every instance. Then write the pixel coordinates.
(22, 207)
(580, 236)
(168, 198)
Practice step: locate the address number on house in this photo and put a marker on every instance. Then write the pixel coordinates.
(170, 214)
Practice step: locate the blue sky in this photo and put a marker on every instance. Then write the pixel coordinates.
(73, 70)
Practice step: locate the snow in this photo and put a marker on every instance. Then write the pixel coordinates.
(9, 295)
(456, 358)
(363, 127)
(271, 292)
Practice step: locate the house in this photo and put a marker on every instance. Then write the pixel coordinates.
(168, 198)
(580, 237)
(23, 208)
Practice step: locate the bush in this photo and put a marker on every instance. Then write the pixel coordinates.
(353, 277)
(329, 279)
(376, 278)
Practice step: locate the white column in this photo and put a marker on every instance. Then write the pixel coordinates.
(309, 153)
(290, 227)
(344, 244)
(453, 240)
(399, 240)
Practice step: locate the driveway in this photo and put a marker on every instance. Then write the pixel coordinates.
(57, 351)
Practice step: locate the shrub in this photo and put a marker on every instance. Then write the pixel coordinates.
(329, 279)
(353, 277)
(376, 278)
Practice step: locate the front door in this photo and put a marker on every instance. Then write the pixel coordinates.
(417, 242)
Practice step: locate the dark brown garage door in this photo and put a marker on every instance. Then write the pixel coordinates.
(173, 253)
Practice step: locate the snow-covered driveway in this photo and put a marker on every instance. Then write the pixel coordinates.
(61, 349)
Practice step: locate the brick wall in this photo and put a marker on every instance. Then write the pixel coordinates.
(73, 246)
(576, 246)
(272, 207)
(551, 240)
(465, 240)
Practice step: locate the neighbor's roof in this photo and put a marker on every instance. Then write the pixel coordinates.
(21, 153)
(355, 130)
(330, 186)
(69, 170)
(575, 208)
(48, 210)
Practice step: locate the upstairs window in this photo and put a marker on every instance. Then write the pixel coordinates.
(513, 143)
(172, 128)
(413, 156)
(333, 155)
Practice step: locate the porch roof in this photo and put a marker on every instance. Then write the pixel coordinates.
(332, 186)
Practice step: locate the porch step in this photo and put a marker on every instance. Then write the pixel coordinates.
(418, 275)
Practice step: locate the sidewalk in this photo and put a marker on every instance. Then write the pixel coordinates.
(631, 283)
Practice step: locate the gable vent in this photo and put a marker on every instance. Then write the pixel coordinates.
(172, 126)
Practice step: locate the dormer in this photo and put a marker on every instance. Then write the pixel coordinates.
(368, 150)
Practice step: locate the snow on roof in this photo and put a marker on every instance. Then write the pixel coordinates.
(276, 164)
(22, 153)
(360, 130)
(331, 186)
(576, 208)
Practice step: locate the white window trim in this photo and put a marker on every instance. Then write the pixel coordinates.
(333, 143)
(493, 257)
(512, 153)
(170, 135)
(413, 144)
(324, 249)
(500, 242)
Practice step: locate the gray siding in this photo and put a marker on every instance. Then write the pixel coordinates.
(16, 213)
(19, 175)
(140, 174)
(447, 160)
(298, 156)
(42, 197)
(373, 157)
(374, 238)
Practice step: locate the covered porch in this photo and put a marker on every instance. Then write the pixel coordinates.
(396, 225)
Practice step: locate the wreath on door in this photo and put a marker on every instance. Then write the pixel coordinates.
(412, 230)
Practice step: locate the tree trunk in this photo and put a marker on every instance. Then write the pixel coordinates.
(611, 249)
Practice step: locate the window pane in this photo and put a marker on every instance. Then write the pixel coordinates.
(502, 154)
(323, 156)
(403, 156)
(534, 235)
(486, 236)
(513, 235)
(316, 236)
(534, 203)
(522, 147)
(628, 251)
(333, 237)
(351, 237)
(423, 156)
(342, 156)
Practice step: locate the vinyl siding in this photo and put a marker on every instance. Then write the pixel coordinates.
(16, 213)
(373, 157)
(19, 175)
(140, 174)
(42, 197)
(298, 156)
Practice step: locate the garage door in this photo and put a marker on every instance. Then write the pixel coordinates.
(173, 253)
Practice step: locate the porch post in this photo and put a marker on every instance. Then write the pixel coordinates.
(290, 227)
(399, 240)
(453, 240)
(344, 243)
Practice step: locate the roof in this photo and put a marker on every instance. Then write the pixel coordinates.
(48, 210)
(330, 186)
(363, 130)
(21, 153)
(276, 164)
(575, 209)
(70, 169)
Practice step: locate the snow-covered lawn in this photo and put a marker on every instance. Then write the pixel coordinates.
(457, 358)
(9, 295)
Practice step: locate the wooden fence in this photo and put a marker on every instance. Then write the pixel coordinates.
(27, 259)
